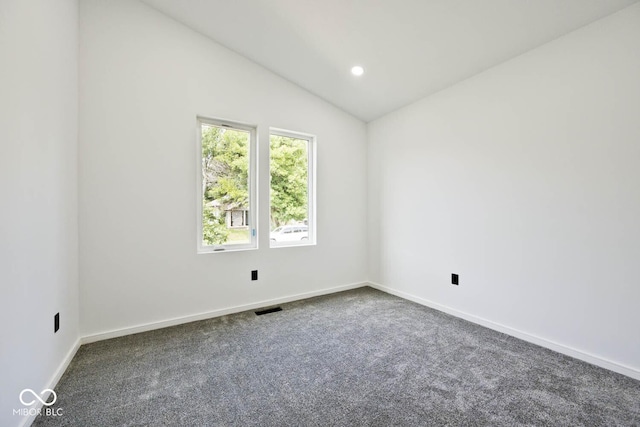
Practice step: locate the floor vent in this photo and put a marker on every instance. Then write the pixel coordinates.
(268, 310)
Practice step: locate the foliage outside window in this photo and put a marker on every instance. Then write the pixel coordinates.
(226, 214)
(292, 193)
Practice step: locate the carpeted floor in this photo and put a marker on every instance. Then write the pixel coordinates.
(359, 357)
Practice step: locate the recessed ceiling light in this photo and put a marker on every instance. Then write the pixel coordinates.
(357, 70)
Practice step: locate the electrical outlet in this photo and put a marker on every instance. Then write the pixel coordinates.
(454, 279)
(254, 274)
(56, 322)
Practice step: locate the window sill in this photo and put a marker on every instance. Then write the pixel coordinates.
(205, 251)
(291, 245)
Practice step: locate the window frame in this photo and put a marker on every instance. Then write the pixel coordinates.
(252, 185)
(312, 238)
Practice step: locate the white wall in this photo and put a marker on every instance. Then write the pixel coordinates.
(38, 184)
(524, 180)
(143, 80)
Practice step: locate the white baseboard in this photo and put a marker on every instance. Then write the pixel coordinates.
(543, 342)
(215, 313)
(28, 420)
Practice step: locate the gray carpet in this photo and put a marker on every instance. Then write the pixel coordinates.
(359, 357)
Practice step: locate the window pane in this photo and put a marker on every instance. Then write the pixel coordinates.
(289, 197)
(225, 186)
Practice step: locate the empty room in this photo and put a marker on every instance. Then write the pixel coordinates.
(319, 213)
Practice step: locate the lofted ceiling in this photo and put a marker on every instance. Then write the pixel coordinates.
(409, 48)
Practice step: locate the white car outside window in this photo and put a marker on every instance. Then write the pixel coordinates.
(290, 233)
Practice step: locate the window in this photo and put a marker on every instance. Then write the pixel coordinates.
(292, 195)
(226, 186)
